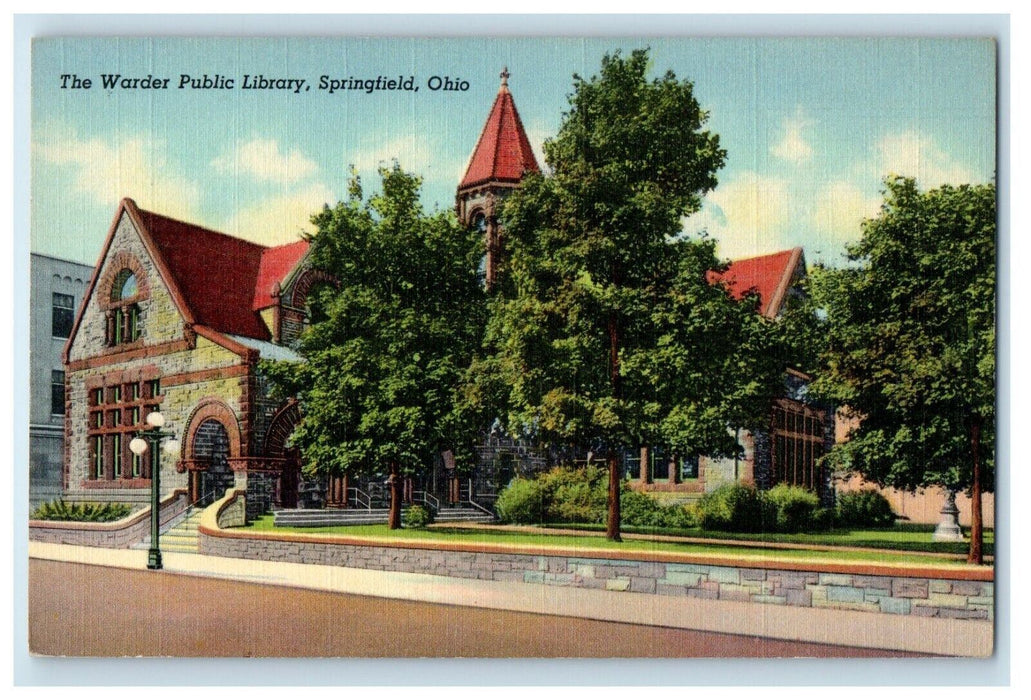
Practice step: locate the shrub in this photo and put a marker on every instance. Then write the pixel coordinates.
(866, 508)
(733, 508)
(417, 516)
(795, 509)
(678, 517)
(641, 510)
(81, 512)
(521, 502)
(574, 495)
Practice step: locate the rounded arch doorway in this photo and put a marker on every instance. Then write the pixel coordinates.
(211, 448)
(278, 445)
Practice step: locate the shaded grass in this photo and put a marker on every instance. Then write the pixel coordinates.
(586, 542)
(905, 537)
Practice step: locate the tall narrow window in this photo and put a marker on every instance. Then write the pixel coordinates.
(63, 315)
(797, 445)
(97, 449)
(57, 392)
(123, 321)
(116, 454)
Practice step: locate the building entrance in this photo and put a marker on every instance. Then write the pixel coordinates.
(211, 446)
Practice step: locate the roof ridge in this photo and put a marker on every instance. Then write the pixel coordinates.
(199, 227)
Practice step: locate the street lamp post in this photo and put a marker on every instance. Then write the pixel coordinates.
(152, 439)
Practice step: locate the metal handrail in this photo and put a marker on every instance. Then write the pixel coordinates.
(474, 504)
(427, 499)
(468, 491)
(358, 494)
(212, 493)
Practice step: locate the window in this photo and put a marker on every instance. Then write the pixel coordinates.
(116, 412)
(123, 318)
(797, 445)
(480, 222)
(63, 317)
(689, 467)
(57, 392)
(126, 288)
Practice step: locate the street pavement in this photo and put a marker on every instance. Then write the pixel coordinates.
(811, 625)
(193, 616)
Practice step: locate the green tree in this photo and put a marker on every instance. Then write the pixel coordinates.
(911, 342)
(605, 333)
(377, 388)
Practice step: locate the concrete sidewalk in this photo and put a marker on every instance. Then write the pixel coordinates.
(935, 636)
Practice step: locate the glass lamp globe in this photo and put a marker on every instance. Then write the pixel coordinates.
(138, 446)
(155, 419)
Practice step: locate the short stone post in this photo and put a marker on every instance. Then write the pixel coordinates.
(948, 529)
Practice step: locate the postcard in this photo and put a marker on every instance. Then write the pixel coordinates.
(512, 347)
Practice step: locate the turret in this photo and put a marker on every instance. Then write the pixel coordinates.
(500, 160)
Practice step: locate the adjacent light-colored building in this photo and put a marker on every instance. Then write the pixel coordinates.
(56, 290)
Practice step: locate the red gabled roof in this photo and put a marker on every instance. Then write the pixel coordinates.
(221, 278)
(769, 275)
(276, 264)
(503, 152)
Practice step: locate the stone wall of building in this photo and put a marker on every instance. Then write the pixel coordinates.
(161, 320)
(186, 376)
(260, 491)
(189, 367)
(938, 595)
(121, 534)
(714, 473)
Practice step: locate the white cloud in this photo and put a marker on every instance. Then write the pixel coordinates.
(912, 154)
(749, 215)
(280, 219)
(413, 153)
(839, 210)
(263, 160)
(108, 169)
(792, 145)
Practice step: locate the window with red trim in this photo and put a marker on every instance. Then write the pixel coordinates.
(117, 411)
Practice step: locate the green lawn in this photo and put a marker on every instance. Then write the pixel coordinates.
(907, 537)
(587, 541)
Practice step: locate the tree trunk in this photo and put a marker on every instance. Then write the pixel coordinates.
(612, 522)
(395, 497)
(975, 556)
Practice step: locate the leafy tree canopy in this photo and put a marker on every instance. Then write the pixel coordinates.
(911, 338)
(606, 332)
(397, 334)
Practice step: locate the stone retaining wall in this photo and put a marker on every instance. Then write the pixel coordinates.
(120, 534)
(929, 596)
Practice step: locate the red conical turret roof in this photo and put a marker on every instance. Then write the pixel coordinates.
(503, 152)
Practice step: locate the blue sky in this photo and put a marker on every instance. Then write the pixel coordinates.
(811, 127)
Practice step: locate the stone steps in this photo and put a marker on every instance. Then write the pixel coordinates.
(182, 536)
(356, 516)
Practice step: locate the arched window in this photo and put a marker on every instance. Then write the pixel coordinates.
(480, 222)
(125, 286)
(123, 322)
